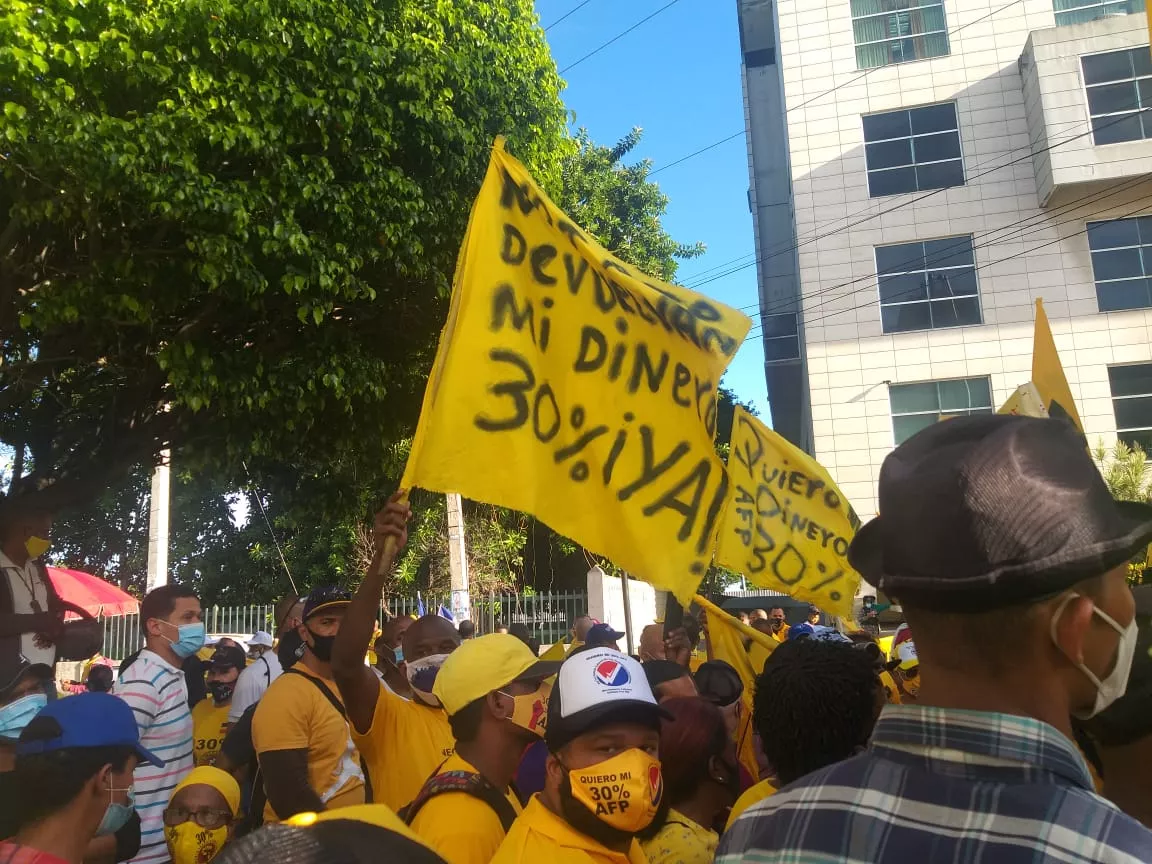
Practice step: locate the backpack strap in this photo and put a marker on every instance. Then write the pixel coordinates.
(339, 706)
(467, 782)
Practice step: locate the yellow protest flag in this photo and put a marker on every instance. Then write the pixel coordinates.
(1025, 402)
(558, 651)
(1047, 373)
(573, 387)
(787, 525)
(727, 638)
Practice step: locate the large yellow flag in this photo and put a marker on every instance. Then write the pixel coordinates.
(1048, 374)
(571, 386)
(787, 526)
(727, 638)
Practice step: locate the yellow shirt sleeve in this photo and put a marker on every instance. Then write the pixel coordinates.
(404, 745)
(283, 717)
(678, 843)
(753, 795)
(461, 828)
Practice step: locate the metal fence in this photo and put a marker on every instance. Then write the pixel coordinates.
(548, 617)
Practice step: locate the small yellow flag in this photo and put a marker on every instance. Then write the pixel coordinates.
(571, 386)
(727, 638)
(1048, 374)
(787, 526)
(558, 651)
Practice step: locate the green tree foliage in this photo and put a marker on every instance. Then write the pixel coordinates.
(229, 227)
(1126, 473)
(319, 505)
(620, 206)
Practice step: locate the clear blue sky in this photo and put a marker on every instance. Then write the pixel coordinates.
(677, 77)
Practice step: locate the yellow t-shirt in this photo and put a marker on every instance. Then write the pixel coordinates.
(294, 715)
(209, 726)
(405, 744)
(539, 836)
(460, 827)
(682, 841)
(782, 634)
(752, 795)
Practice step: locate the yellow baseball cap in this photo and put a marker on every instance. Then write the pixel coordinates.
(482, 665)
(371, 814)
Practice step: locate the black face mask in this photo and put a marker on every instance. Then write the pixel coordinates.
(290, 649)
(322, 646)
(221, 691)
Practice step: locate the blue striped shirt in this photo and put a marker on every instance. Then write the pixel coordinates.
(158, 696)
(963, 787)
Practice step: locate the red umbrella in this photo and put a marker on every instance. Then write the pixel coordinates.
(92, 593)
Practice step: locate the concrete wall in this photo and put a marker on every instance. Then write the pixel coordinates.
(1022, 251)
(1057, 107)
(606, 603)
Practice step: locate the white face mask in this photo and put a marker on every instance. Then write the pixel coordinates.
(1115, 685)
(422, 675)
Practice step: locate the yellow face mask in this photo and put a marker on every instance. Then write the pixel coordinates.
(36, 546)
(191, 844)
(624, 791)
(531, 709)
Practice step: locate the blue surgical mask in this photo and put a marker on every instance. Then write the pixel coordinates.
(117, 814)
(16, 715)
(399, 652)
(190, 639)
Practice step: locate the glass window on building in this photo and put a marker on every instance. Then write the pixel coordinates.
(918, 406)
(1079, 11)
(929, 285)
(1119, 86)
(913, 149)
(781, 338)
(896, 31)
(1122, 262)
(1132, 403)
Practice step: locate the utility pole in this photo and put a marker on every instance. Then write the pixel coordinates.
(158, 523)
(458, 559)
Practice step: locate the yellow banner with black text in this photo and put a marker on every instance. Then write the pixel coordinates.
(573, 387)
(787, 526)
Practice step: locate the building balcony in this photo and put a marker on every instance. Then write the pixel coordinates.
(1088, 97)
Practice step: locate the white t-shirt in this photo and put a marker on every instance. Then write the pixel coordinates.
(26, 585)
(252, 683)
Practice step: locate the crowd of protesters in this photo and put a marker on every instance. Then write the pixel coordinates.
(1010, 721)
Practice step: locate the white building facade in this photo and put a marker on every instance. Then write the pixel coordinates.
(943, 164)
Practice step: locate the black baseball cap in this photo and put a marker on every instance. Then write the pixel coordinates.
(229, 657)
(325, 597)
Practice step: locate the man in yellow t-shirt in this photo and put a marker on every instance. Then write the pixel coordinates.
(603, 782)
(300, 731)
(778, 626)
(494, 692)
(402, 741)
(210, 716)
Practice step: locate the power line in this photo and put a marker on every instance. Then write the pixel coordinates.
(1039, 221)
(1012, 230)
(570, 12)
(1087, 217)
(713, 146)
(829, 92)
(914, 200)
(620, 36)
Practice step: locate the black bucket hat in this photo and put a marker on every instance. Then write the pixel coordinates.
(978, 513)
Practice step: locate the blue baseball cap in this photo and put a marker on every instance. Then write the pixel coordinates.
(87, 720)
(602, 634)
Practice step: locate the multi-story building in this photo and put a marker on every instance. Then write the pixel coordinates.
(922, 171)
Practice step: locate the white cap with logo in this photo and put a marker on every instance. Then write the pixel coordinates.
(594, 688)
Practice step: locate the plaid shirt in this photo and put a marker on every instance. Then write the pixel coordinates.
(943, 785)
